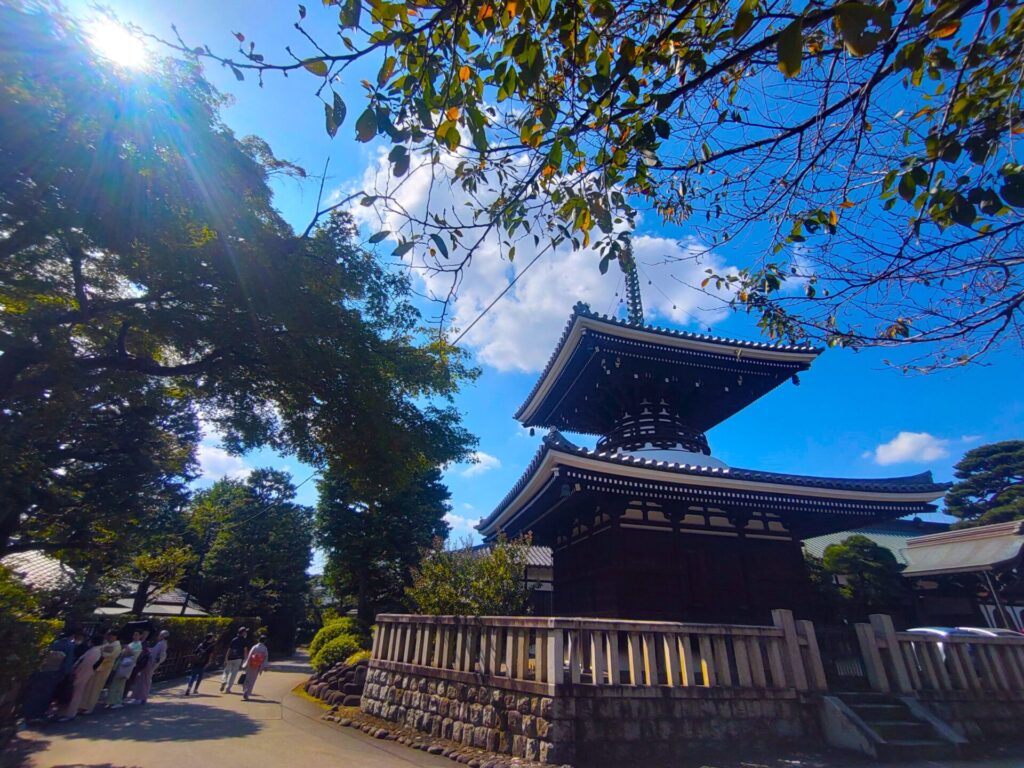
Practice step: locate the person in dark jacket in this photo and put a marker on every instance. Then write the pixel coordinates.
(200, 661)
(238, 649)
(42, 686)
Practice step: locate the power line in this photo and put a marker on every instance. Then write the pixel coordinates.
(498, 298)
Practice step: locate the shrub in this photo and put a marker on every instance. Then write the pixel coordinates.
(474, 581)
(358, 656)
(332, 629)
(338, 649)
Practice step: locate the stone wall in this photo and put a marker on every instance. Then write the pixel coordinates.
(518, 723)
(997, 716)
(588, 726)
(621, 725)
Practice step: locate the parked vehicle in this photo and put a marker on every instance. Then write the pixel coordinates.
(991, 632)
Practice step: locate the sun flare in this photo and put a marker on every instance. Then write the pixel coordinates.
(114, 42)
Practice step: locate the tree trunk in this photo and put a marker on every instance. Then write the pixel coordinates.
(364, 611)
(139, 600)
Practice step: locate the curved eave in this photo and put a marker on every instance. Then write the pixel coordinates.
(583, 321)
(557, 452)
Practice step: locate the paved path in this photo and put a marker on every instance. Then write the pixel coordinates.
(274, 728)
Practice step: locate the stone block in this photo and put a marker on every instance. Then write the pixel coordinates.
(490, 716)
(519, 745)
(530, 726)
(476, 714)
(350, 701)
(515, 722)
(531, 749)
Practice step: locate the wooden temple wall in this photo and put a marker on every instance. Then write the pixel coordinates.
(647, 573)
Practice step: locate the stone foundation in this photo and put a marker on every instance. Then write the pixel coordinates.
(621, 725)
(997, 716)
(585, 725)
(517, 723)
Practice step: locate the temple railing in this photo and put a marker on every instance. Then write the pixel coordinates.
(912, 662)
(538, 654)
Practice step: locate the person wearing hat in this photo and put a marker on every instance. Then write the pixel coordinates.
(238, 649)
(200, 661)
(144, 679)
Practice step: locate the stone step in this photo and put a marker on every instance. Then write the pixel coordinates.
(866, 697)
(902, 730)
(870, 712)
(915, 749)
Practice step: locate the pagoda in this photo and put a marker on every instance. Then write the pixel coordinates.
(649, 524)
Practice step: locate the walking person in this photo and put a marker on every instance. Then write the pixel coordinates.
(123, 670)
(110, 652)
(255, 663)
(201, 657)
(140, 663)
(144, 678)
(84, 670)
(238, 648)
(42, 686)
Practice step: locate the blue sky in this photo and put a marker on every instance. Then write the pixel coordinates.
(851, 416)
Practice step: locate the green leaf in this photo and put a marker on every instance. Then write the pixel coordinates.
(791, 49)
(439, 242)
(332, 124)
(366, 126)
(339, 110)
(399, 158)
(387, 69)
(382, 235)
(403, 248)
(907, 186)
(316, 66)
(349, 14)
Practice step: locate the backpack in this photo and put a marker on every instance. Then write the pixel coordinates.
(256, 659)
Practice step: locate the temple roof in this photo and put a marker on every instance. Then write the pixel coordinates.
(593, 347)
(896, 496)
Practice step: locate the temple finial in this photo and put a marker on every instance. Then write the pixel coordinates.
(634, 303)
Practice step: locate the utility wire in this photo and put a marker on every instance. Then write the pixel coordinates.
(498, 298)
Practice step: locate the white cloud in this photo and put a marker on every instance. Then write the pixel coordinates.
(520, 331)
(215, 463)
(910, 447)
(483, 462)
(460, 524)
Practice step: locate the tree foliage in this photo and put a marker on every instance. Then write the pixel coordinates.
(870, 574)
(470, 581)
(863, 152)
(255, 544)
(371, 546)
(990, 487)
(146, 279)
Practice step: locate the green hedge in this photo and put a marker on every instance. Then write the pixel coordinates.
(358, 656)
(23, 639)
(334, 628)
(338, 649)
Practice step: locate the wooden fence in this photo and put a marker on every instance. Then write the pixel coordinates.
(547, 652)
(913, 662)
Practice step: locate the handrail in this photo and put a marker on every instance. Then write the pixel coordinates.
(916, 662)
(539, 653)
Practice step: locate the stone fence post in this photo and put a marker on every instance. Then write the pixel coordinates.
(803, 657)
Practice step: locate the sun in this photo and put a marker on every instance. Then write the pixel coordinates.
(114, 42)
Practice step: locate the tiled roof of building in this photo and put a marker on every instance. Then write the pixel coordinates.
(892, 535)
(554, 440)
(37, 569)
(583, 310)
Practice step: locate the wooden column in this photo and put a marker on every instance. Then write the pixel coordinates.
(783, 619)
